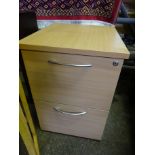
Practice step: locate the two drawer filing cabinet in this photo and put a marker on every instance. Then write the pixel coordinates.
(73, 72)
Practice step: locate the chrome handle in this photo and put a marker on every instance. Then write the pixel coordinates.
(73, 65)
(58, 109)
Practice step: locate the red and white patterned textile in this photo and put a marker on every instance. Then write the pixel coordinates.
(103, 10)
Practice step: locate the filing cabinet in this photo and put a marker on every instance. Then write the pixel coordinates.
(73, 72)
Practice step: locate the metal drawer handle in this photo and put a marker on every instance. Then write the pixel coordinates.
(73, 65)
(69, 113)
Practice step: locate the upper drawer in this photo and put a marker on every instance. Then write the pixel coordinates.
(72, 79)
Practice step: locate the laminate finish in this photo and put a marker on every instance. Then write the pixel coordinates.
(77, 39)
(77, 68)
(85, 86)
(89, 125)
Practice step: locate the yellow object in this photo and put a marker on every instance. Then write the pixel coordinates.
(26, 126)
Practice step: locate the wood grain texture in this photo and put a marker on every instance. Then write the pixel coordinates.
(81, 86)
(77, 39)
(89, 125)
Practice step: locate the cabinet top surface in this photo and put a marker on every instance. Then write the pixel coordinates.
(77, 39)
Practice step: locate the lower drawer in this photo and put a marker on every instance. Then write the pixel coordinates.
(72, 120)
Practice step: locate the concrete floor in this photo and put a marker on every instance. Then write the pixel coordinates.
(118, 136)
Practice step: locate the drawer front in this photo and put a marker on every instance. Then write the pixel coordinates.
(60, 81)
(72, 120)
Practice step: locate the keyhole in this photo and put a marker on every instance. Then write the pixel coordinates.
(115, 63)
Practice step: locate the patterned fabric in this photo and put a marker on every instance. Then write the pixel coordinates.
(105, 10)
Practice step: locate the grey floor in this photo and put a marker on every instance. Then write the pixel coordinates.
(118, 137)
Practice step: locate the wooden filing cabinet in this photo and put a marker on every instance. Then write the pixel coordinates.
(73, 72)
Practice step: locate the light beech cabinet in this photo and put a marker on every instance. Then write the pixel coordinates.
(73, 76)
